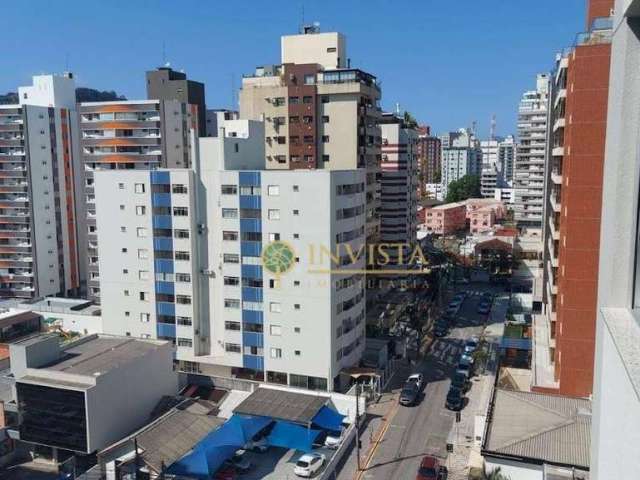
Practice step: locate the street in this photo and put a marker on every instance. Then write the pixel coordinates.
(413, 432)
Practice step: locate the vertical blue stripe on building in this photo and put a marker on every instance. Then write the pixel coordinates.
(249, 179)
(166, 330)
(254, 362)
(160, 177)
(253, 316)
(163, 265)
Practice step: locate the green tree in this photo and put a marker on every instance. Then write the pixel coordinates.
(410, 120)
(494, 474)
(467, 187)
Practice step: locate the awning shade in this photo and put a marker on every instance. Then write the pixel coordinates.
(328, 419)
(210, 453)
(290, 435)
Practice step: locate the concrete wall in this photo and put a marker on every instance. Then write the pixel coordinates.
(328, 49)
(515, 470)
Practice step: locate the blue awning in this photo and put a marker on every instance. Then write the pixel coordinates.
(516, 343)
(209, 454)
(290, 435)
(328, 419)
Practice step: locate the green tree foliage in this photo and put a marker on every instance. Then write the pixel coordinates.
(467, 187)
(410, 120)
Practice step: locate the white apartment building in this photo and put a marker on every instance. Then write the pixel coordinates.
(216, 117)
(497, 164)
(616, 394)
(125, 135)
(399, 196)
(531, 154)
(300, 327)
(39, 175)
(462, 156)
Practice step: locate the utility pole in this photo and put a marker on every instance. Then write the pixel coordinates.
(358, 424)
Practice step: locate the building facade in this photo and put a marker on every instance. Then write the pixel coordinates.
(399, 182)
(461, 156)
(125, 135)
(429, 159)
(573, 209)
(445, 219)
(319, 113)
(531, 154)
(165, 83)
(40, 173)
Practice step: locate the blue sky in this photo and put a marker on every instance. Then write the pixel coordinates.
(449, 62)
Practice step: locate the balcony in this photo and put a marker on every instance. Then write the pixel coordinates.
(555, 201)
(558, 124)
(555, 232)
(556, 177)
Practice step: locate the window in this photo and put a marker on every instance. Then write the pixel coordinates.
(296, 283)
(324, 98)
(294, 119)
(275, 330)
(249, 190)
(307, 99)
(125, 293)
(228, 235)
(229, 189)
(178, 233)
(231, 303)
(274, 214)
(232, 281)
(123, 229)
(325, 119)
(296, 306)
(141, 232)
(307, 119)
(185, 342)
(229, 213)
(124, 270)
(143, 253)
(124, 250)
(273, 190)
(294, 100)
(308, 139)
(274, 237)
(297, 353)
(186, 321)
(232, 348)
(278, 101)
(281, 140)
(275, 307)
(180, 211)
(139, 188)
(309, 79)
(231, 258)
(325, 158)
(296, 236)
(141, 210)
(179, 188)
(145, 317)
(143, 275)
(144, 296)
(183, 299)
(296, 188)
(325, 139)
(121, 186)
(296, 212)
(296, 329)
(182, 256)
(121, 206)
(276, 353)
(232, 326)
(183, 277)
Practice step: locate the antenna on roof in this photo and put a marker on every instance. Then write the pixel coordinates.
(164, 55)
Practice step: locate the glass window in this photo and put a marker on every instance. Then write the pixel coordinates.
(229, 189)
(276, 353)
(232, 281)
(229, 213)
(143, 253)
(185, 342)
(141, 210)
(139, 188)
(143, 275)
(275, 330)
(141, 232)
(231, 303)
(273, 190)
(231, 258)
(275, 307)
(179, 189)
(229, 235)
(232, 348)
(232, 326)
(274, 214)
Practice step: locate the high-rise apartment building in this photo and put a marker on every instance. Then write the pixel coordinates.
(399, 202)
(616, 394)
(319, 113)
(123, 135)
(165, 83)
(39, 176)
(497, 164)
(194, 252)
(531, 154)
(429, 159)
(573, 209)
(461, 156)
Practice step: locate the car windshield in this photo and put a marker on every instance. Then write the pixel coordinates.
(302, 463)
(407, 392)
(426, 471)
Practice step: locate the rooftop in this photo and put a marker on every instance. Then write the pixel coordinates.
(539, 427)
(281, 405)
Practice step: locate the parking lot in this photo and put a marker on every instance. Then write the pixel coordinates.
(278, 463)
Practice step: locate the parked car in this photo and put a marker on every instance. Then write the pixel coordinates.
(465, 367)
(308, 464)
(429, 469)
(461, 381)
(416, 378)
(468, 358)
(240, 462)
(409, 394)
(471, 345)
(333, 440)
(440, 330)
(259, 445)
(455, 399)
(484, 308)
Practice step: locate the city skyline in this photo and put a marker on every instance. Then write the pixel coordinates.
(217, 45)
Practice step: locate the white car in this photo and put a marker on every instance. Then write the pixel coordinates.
(333, 441)
(416, 378)
(308, 464)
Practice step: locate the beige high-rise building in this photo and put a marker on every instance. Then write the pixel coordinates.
(319, 113)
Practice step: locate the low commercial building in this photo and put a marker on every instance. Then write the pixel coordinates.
(85, 395)
(445, 219)
(534, 436)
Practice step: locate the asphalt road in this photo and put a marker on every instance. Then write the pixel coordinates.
(423, 429)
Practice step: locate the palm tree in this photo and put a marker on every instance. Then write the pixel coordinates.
(494, 474)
